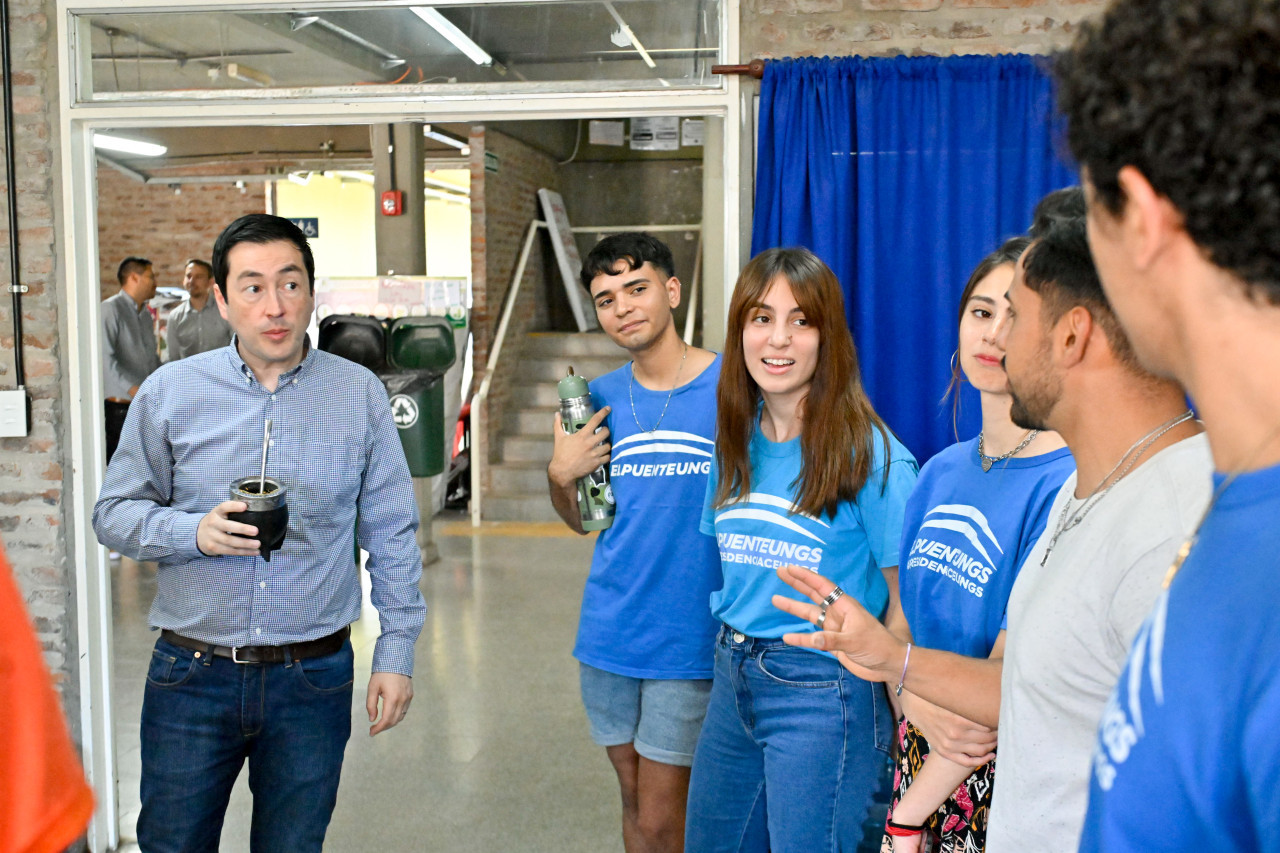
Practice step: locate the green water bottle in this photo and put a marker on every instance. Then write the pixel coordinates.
(595, 496)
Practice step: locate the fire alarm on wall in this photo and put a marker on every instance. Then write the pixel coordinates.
(392, 203)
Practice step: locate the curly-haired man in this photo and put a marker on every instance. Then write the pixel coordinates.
(1174, 114)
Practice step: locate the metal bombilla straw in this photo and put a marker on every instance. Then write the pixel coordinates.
(266, 443)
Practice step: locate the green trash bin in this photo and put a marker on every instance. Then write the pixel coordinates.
(417, 407)
(419, 350)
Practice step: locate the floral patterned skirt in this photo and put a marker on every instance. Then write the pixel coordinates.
(960, 824)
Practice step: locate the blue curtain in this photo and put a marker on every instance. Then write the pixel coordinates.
(902, 174)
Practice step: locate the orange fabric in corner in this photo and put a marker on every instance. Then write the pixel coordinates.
(45, 803)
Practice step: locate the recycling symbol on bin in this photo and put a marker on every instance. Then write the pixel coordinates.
(404, 411)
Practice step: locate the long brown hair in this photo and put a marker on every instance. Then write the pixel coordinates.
(837, 445)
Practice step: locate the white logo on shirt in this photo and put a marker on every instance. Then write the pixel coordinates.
(965, 526)
(764, 551)
(661, 441)
(1122, 723)
(770, 515)
(969, 572)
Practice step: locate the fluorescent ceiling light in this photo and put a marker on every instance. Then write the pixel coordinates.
(127, 146)
(462, 147)
(300, 178)
(446, 197)
(355, 176)
(456, 37)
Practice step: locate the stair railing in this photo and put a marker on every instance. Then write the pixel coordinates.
(480, 403)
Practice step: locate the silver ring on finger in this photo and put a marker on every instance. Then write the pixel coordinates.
(832, 598)
(822, 617)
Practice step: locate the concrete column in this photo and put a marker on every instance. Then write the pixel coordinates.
(397, 164)
(401, 249)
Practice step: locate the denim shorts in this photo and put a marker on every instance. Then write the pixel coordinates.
(661, 716)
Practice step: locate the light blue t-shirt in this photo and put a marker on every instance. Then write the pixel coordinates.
(644, 608)
(1188, 753)
(760, 534)
(965, 535)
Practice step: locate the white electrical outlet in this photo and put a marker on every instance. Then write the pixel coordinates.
(13, 413)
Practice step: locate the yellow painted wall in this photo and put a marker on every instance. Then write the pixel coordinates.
(345, 208)
(449, 230)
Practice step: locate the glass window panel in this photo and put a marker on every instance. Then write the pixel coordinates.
(568, 45)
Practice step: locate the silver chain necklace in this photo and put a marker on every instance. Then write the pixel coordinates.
(1185, 550)
(988, 461)
(1142, 445)
(631, 393)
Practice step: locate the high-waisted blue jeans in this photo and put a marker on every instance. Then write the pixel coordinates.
(203, 716)
(793, 757)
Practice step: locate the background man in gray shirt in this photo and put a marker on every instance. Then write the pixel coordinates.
(195, 326)
(128, 343)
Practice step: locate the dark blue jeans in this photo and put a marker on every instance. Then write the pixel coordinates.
(793, 757)
(203, 716)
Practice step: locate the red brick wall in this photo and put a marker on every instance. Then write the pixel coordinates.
(151, 221)
(34, 474)
(779, 28)
(502, 205)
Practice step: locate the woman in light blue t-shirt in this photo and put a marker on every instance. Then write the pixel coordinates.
(794, 750)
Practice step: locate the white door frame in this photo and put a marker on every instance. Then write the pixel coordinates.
(79, 288)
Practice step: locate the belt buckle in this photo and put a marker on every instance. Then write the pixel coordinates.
(234, 659)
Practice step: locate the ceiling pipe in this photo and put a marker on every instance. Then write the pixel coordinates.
(389, 59)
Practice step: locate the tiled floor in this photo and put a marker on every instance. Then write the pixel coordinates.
(494, 755)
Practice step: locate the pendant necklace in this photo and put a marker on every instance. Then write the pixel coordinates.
(1185, 550)
(1142, 445)
(988, 461)
(631, 393)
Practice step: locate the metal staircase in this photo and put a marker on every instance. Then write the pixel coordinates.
(518, 489)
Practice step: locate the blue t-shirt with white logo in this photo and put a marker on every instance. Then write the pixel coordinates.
(964, 538)
(644, 608)
(1188, 753)
(763, 532)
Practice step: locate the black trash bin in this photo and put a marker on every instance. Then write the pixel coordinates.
(410, 355)
(356, 338)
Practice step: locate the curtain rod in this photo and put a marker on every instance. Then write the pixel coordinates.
(754, 68)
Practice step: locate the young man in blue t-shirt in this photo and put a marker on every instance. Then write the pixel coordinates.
(1172, 108)
(646, 635)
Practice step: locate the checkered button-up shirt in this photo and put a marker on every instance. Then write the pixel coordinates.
(196, 426)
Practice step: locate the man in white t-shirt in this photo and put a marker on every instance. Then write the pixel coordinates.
(1142, 480)
(1113, 529)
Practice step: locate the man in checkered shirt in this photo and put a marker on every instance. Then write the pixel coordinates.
(254, 659)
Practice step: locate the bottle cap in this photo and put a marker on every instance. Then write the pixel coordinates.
(572, 386)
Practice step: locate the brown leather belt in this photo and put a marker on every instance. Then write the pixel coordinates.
(263, 654)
